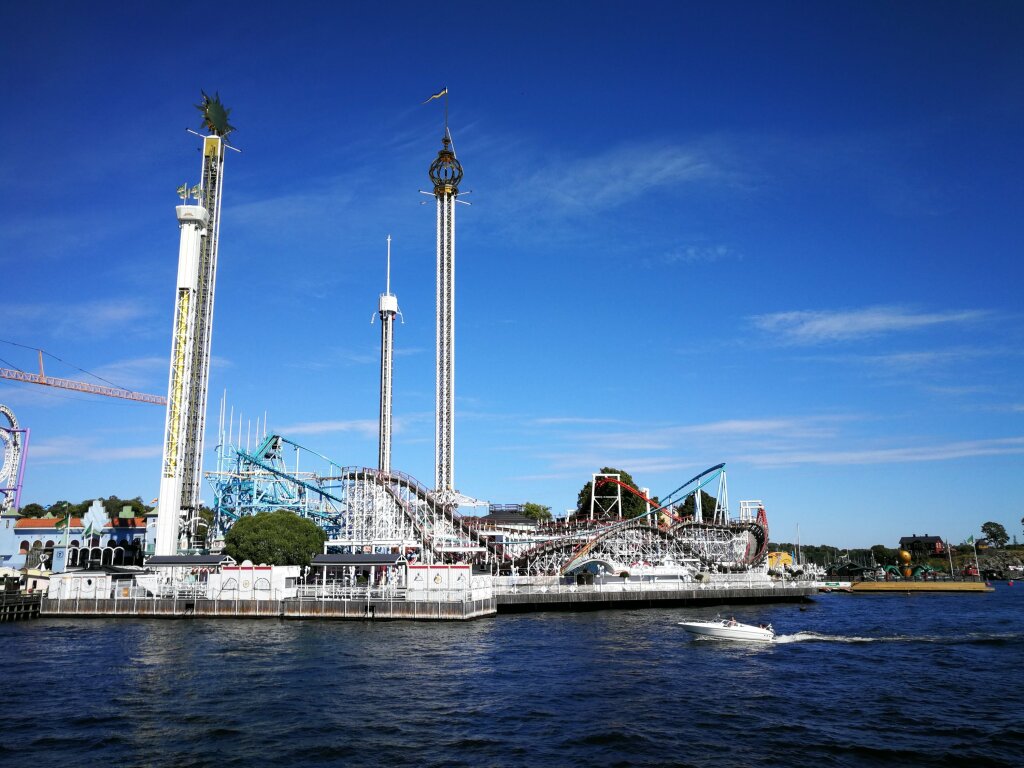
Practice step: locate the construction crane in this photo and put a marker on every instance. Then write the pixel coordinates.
(78, 386)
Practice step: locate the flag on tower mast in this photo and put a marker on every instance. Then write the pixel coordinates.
(439, 94)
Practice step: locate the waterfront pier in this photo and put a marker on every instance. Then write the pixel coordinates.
(505, 595)
(601, 597)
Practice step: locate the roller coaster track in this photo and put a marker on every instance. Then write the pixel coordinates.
(403, 509)
(393, 481)
(581, 544)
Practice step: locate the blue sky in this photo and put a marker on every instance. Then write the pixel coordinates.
(786, 236)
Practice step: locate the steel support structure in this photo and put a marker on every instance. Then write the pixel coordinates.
(445, 173)
(12, 467)
(387, 309)
(193, 221)
(367, 510)
(195, 433)
(192, 334)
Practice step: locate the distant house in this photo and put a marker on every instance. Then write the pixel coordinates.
(507, 517)
(503, 523)
(29, 542)
(925, 546)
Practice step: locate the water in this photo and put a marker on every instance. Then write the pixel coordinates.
(854, 680)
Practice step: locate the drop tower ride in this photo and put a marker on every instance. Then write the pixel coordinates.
(192, 333)
(445, 173)
(388, 308)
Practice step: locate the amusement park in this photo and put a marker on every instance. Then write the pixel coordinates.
(379, 524)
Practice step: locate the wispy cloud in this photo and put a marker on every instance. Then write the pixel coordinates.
(366, 427)
(941, 452)
(76, 450)
(116, 316)
(699, 254)
(625, 173)
(568, 420)
(816, 327)
(134, 372)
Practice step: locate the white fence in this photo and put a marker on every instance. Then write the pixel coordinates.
(552, 585)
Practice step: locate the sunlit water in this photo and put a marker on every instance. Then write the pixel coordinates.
(852, 680)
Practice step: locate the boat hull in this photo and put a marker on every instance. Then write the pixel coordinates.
(724, 630)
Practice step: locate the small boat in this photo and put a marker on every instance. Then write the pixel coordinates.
(730, 629)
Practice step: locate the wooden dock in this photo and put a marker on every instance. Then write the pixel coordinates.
(15, 606)
(637, 597)
(903, 587)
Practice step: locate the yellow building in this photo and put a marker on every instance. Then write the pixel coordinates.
(780, 559)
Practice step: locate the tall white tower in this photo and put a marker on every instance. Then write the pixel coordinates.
(181, 470)
(192, 221)
(445, 173)
(387, 308)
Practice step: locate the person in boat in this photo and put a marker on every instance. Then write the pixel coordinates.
(731, 622)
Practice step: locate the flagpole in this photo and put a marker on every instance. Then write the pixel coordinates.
(949, 551)
(67, 531)
(977, 566)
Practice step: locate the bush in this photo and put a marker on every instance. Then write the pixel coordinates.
(276, 538)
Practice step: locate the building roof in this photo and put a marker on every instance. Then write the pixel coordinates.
(508, 518)
(926, 539)
(360, 558)
(170, 561)
(43, 523)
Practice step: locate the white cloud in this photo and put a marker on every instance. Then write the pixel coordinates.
(134, 372)
(115, 316)
(815, 327)
(699, 254)
(76, 450)
(623, 174)
(563, 420)
(942, 452)
(365, 427)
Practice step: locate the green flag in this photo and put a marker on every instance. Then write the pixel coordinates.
(970, 539)
(64, 522)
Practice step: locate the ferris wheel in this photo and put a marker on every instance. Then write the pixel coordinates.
(13, 438)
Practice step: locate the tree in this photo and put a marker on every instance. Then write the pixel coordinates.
(113, 506)
(33, 510)
(632, 505)
(277, 538)
(883, 555)
(58, 508)
(538, 512)
(995, 533)
(689, 506)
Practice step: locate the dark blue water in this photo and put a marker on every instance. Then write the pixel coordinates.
(856, 680)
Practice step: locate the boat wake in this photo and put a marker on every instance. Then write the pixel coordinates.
(805, 637)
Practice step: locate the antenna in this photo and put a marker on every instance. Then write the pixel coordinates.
(387, 290)
(201, 136)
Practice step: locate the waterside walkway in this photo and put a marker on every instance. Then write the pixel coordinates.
(509, 595)
(562, 597)
(361, 608)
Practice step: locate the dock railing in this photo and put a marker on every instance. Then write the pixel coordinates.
(552, 584)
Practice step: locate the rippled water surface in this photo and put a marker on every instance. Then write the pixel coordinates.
(854, 680)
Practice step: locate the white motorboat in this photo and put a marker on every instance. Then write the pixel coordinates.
(730, 629)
